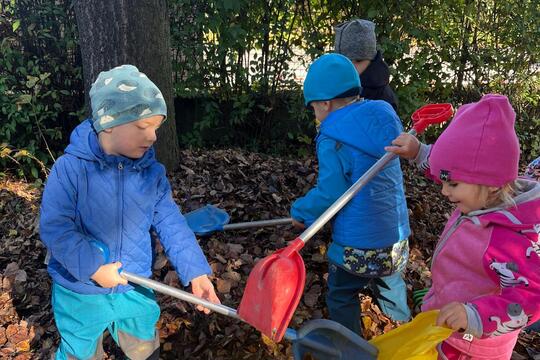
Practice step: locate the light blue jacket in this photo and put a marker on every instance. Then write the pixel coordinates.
(92, 196)
(349, 142)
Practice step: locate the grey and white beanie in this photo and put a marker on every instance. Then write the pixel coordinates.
(122, 95)
(356, 39)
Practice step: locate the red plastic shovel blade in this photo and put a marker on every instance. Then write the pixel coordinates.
(273, 291)
(431, 114)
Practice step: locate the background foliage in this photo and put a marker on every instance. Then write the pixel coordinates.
(40, 83)
(235, 68)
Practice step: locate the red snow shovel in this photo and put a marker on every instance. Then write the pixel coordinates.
(276, 283)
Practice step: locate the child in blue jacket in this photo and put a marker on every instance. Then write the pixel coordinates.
(369, 235)
(109, 189)
(533, 169)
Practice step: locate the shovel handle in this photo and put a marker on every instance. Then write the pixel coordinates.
(422, 118)
(256, 224)
(179, 294)
(166, 289)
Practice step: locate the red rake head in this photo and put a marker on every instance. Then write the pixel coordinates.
(273, 291)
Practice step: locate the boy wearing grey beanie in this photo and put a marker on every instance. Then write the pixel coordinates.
(102, 199)
(356, 40)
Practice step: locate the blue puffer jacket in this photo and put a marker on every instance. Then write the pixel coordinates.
(92, 196)
(350, 141)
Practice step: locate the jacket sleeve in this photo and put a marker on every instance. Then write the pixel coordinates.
(510, 264)
(58, 228)
(177, 239)
(331, 184)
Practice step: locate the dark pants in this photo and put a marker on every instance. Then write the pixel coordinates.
(534, 327)
(343, 302)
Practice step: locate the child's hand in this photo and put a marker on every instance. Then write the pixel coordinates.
(405, 145)
(298, 225)
(107, 275)
(454, 316)
(202, 287)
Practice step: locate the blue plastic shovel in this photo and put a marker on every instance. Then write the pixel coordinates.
(210, 218)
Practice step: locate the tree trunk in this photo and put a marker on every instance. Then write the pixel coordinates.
(112, 33)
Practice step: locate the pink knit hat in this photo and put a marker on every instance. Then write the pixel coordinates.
(479, 146)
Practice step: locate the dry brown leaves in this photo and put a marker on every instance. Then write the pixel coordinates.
(249, 187)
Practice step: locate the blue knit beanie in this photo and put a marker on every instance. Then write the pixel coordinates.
(122, 95)
(331, 76)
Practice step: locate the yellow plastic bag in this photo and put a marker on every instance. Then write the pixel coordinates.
(416, 340)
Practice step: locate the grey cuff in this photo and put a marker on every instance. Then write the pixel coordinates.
(475, 327)
(421, 159)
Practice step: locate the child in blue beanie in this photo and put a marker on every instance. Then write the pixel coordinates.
(369, 235)
(109, 189)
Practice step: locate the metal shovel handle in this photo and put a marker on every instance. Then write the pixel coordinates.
(179, 294)
(256, 224)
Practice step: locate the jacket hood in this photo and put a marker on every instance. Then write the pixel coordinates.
(524, 215)
(377, 74)
(363, 125)
(84, 144)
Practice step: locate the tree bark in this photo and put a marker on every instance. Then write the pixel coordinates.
(112, 33)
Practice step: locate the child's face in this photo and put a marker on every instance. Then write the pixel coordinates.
(467, 197)
(133, 139)
(361, 65)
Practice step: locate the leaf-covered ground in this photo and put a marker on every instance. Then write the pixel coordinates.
(249, 187)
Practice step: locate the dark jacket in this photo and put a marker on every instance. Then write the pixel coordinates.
(375, 80)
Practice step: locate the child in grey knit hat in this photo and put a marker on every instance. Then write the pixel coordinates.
(356, 40)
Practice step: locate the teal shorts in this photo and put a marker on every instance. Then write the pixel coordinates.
(81, 319)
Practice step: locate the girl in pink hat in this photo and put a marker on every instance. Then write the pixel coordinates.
(486, 266)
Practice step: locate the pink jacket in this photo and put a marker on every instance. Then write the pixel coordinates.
(490, 261)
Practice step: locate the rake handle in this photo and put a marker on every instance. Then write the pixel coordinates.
(255, 224)
(348, 195)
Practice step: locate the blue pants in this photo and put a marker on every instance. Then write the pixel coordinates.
(343, 302)
(130, 317)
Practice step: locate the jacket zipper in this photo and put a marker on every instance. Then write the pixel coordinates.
(120, 220)
(441, 244)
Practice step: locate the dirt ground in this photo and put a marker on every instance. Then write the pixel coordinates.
(249, 187)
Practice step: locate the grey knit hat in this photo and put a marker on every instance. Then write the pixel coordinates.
(356, 39)
(122, 95)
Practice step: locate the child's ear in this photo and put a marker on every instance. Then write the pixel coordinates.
(493, 189)
(327, 105)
